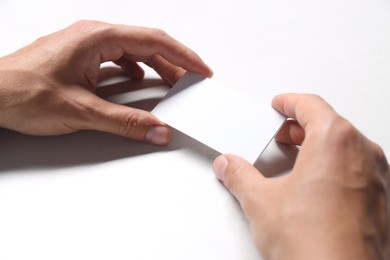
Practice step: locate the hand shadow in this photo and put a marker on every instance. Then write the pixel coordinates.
(18, 151)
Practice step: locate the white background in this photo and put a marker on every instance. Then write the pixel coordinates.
(96, 196)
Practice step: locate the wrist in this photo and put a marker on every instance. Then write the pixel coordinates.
(330, 244)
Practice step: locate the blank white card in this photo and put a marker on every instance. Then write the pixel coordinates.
(218, 116)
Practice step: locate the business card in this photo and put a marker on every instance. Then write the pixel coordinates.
(219, 116)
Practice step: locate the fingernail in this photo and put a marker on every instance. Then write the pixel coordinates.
(220, 165)
(159, 135)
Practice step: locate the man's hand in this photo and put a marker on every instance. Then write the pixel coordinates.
(48, 87)
(333, 205)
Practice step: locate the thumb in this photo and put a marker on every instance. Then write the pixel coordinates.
(128, 122)
(240, 177)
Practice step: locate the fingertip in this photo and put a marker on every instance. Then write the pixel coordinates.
(274, 100)
(203, 69)
(200, 67)
(210, 72)
(206, 69)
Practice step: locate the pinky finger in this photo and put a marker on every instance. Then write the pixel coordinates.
(131, 68)
(167, 71)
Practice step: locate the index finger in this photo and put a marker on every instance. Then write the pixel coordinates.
(117, 40)
(305, 108)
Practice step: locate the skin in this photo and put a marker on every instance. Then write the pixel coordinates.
(48, 87)
(333, 205)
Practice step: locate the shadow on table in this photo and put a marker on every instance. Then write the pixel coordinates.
(277, 159)
(18, 151)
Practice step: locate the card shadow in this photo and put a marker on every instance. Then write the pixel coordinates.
(188, 80)
(277, 159)
(18, 151)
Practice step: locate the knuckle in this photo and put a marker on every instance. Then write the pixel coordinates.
(87, 23)
(343, 132)
(314, 96)
(160, 33)
(83, 24)
(378, 151)
(233, 176)
(381, 158)
(305, 98)
(89, 28)
(129, 124)
(160, 38)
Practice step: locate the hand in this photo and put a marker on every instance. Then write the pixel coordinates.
(47, 88)
(333, 205)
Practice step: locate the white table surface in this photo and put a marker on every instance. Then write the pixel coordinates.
(91, 195)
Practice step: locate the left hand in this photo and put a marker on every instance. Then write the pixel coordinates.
(48, 87)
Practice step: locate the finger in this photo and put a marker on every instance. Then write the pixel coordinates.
(291, 133)
(126, 121)
(304, 108)
(169, 72)
(113, 41)
(159, 42)
(239, 176)
(131, 68)
(109, 72)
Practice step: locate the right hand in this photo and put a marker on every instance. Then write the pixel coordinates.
(333, 205)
